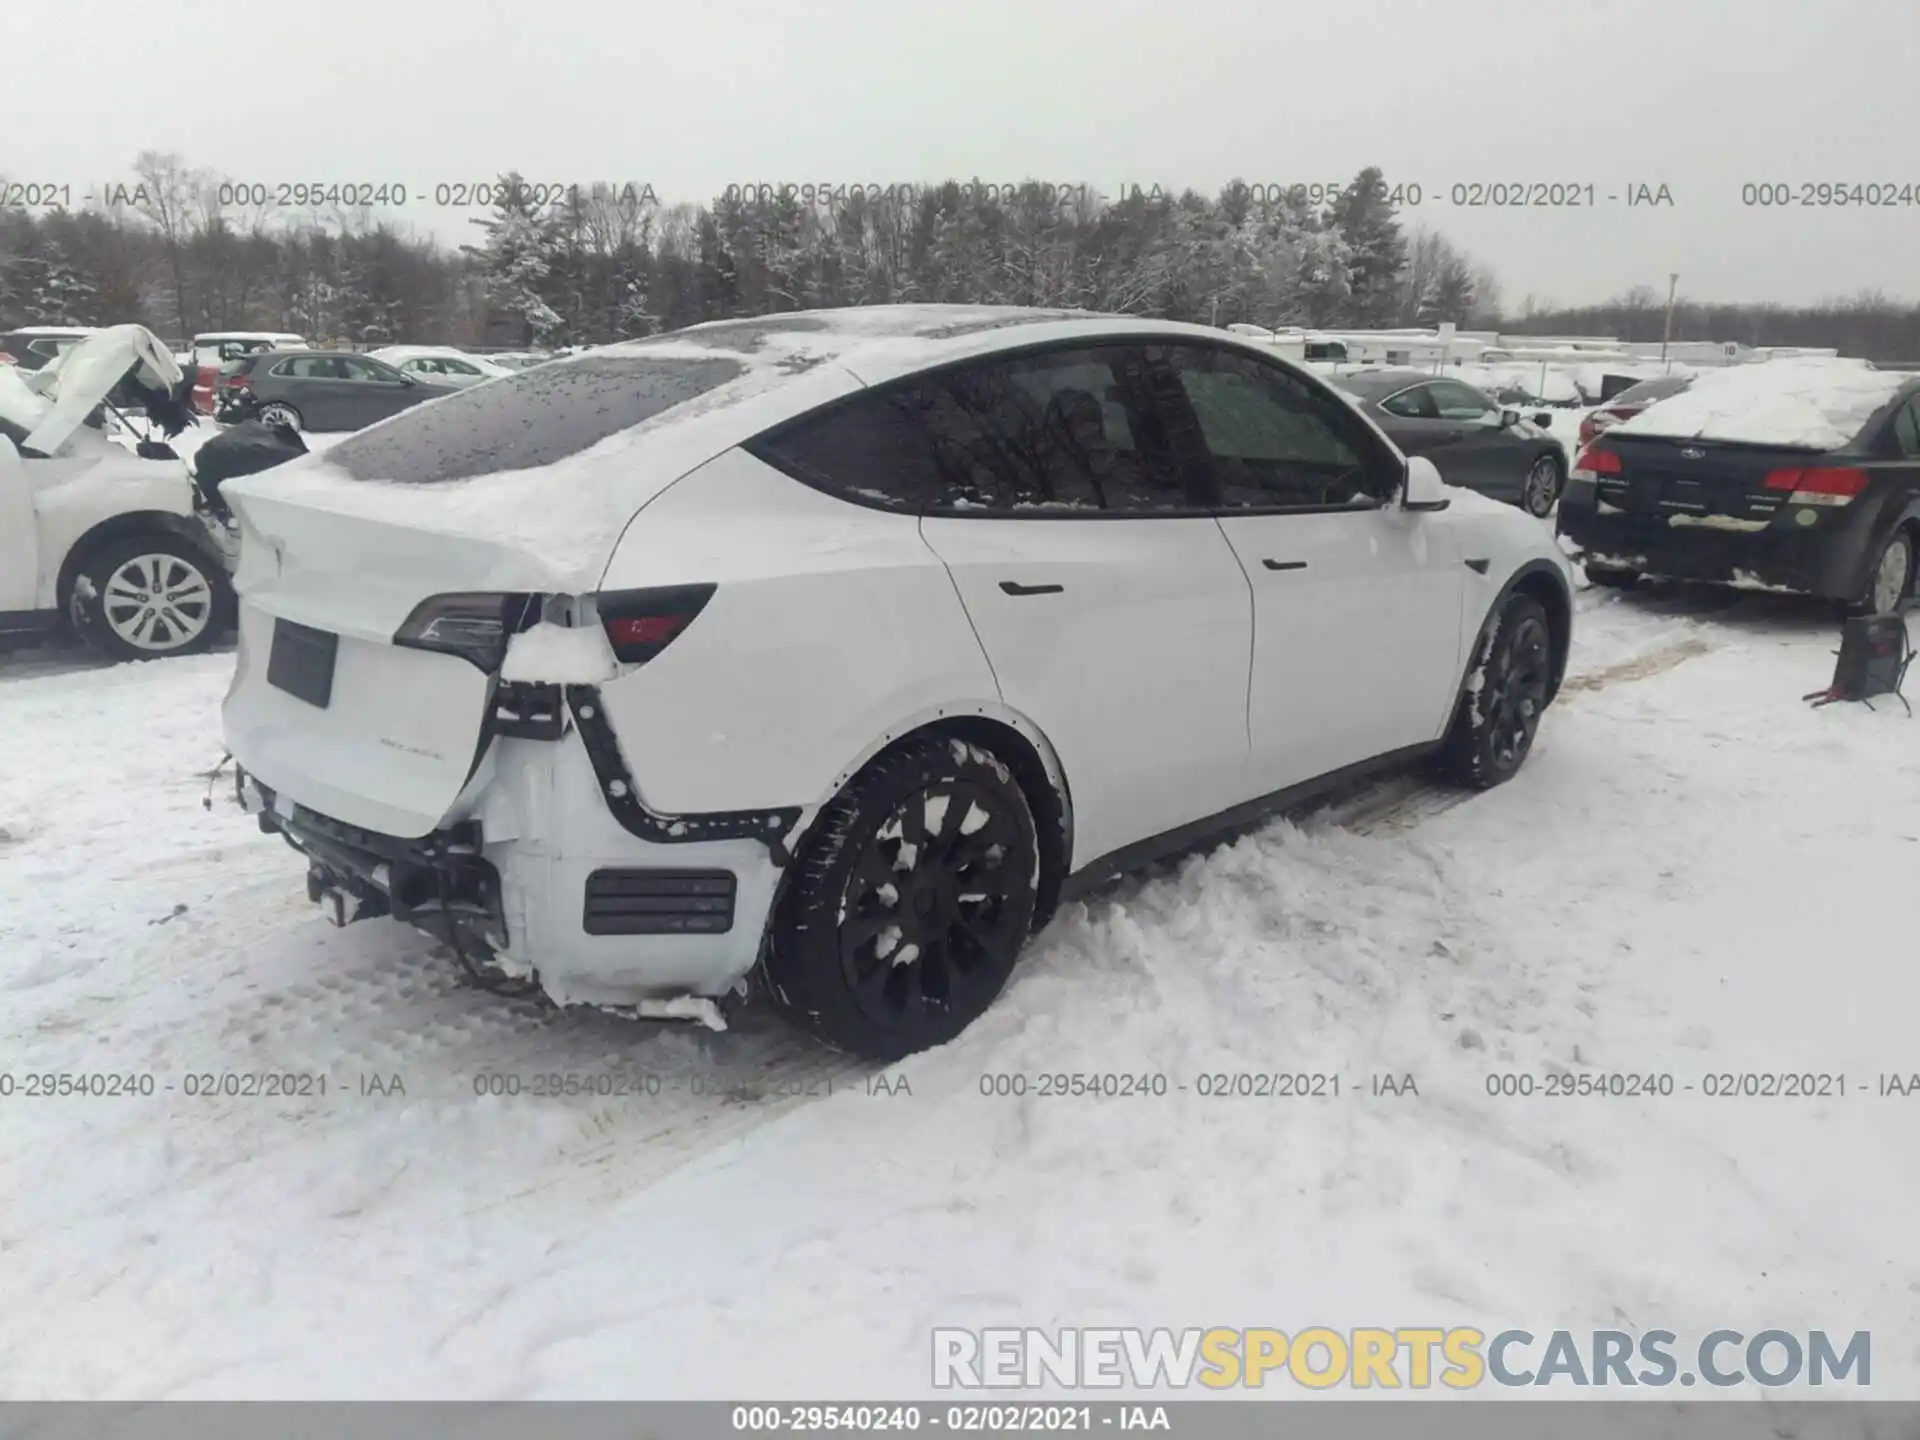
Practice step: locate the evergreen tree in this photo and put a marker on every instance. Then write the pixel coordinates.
(1363, 216)
(517, 261)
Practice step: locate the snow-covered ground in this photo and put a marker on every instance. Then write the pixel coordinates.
(1695, 873)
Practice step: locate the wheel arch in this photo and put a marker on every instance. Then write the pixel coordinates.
(1542, 580)
(123, 526)
(1906, 521)
(1014, 739)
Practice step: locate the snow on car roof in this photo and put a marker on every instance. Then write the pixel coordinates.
(1811, 404)
(426, 350)
(215, 337)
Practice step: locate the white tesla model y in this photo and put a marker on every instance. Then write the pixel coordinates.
(835, 648)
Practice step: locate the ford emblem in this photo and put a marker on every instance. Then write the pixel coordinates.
(1691, 453)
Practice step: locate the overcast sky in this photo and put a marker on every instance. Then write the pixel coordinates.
(1702, 96)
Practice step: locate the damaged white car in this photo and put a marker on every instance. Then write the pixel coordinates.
(840, 648)
(115, 543)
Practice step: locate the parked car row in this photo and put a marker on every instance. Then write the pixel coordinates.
(326, 389)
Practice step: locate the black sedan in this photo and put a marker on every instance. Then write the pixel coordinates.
(1471, 440)
(1739, 490)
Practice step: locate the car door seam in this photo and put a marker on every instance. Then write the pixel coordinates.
(920, 529)
(1253, 629)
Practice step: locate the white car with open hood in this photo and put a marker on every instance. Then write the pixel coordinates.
(836, 648)
(115, 543)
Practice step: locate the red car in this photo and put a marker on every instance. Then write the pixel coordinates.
(1629, 403)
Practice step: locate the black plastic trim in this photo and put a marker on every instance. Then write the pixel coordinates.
(526, 710)
(28, 621)
(1479, 566)
(659, 902)
(771, 827)
(421, 875)
(1238, 818)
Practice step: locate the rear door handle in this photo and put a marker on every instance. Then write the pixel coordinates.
(1013, 587)
(1285, 564)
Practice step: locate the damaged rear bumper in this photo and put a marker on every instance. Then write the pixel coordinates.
(535, 872)
(441, 883)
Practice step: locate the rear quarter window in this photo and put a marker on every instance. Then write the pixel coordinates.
(531, 418)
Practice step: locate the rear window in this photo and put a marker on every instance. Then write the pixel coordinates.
(1648, 391)
(533, 417)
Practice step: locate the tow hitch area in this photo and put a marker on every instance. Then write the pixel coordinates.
(344, 900)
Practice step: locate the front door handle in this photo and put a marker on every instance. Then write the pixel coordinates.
(1013, 587)
(1285, 564)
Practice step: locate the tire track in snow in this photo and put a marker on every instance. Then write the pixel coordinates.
(266, 988)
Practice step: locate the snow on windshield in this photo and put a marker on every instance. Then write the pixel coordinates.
(1804, 404)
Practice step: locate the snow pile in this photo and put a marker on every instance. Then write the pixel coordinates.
(1547, 384)
(560, 655)
(1812, 404)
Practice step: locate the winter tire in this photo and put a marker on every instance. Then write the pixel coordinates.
(1506, 692)
(149, 596)
(278, 412)
(910, 901)
(1541, 489)
(1889, 578)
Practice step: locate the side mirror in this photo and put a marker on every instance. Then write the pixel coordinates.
(1509, 419)
(1543, 420)
(1424, 491)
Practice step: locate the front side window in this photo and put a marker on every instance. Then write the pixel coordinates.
(1455, 401)
(1058, 430)
(1274, 442)
(1415, 404)
(455, 367)
(358, 367)
(311, 367)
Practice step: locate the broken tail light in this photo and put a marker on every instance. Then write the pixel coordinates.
(476, 626)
